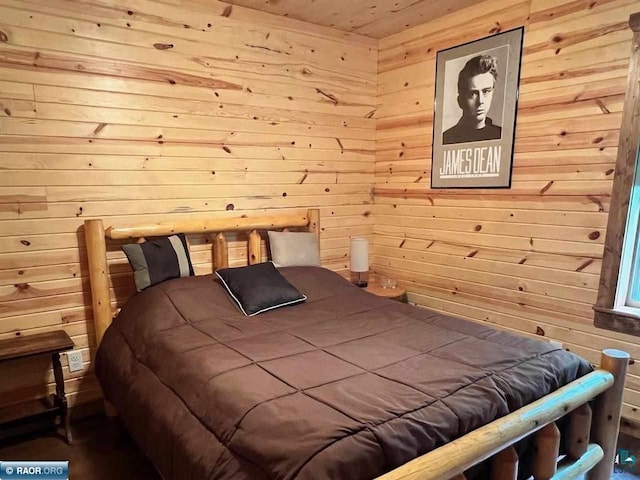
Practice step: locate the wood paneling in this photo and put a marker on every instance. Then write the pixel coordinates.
(528, 258)
(374, 18)
(152, 112)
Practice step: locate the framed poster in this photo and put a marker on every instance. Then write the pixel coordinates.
(474, 120)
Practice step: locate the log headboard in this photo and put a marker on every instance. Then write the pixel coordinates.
(96, 238)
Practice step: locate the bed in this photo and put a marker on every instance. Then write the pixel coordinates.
(344, 386)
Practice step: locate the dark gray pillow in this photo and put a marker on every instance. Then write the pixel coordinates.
(159, 259)
(258, 288)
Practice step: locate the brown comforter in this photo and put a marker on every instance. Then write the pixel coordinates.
(345, 386)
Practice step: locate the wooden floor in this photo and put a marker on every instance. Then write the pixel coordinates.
(103, 451)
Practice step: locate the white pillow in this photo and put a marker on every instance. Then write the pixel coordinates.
(294, 249)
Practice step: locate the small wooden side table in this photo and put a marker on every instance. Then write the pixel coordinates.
(30, 345)
(395, 293)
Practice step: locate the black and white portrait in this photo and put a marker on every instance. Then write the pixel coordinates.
(475, 111)
(479, 100)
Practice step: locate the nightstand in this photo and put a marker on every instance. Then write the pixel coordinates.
(51, 343)
(396, 293)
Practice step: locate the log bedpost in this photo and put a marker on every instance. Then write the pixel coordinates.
(579, 428)
(547, 452)
(314, 222)
(504, 465)
(221, 252)
(606, 413)
(99, 280)
(255, 254)
(98, 276)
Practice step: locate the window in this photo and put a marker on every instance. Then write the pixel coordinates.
(627, 298)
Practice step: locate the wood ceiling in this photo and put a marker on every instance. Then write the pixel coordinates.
(373, 18)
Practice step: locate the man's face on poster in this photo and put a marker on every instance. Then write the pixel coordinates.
(475, 99)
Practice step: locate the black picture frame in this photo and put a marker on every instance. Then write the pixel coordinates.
(475, 111)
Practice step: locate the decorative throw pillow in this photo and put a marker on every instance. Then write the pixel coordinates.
(159, 259)
(294, 249)
(258, 288)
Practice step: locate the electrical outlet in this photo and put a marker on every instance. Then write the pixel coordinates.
(74, 358)
(555, 343)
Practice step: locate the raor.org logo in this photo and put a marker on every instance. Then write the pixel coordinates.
(34, 470)
(625, 462)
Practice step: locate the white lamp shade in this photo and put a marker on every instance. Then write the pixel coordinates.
(359, 254)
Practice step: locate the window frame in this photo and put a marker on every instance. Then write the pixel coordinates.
(629, 259)
(605, 313)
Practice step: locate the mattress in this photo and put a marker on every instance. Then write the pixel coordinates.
(345, 386)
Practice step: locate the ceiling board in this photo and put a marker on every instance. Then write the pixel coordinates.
(373, 18)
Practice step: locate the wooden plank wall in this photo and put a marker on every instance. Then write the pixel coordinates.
(528, 258)
(373, 18)
(148, 110)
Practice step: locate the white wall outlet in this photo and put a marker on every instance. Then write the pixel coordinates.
(74, 358)
(555, 343)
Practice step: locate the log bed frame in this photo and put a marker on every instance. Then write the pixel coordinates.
(592, 436)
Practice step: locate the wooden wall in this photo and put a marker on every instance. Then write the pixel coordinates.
(527, 258)
(148, 110)
(373, 18)
(142, 111)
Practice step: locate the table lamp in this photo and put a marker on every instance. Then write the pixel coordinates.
(359, 261)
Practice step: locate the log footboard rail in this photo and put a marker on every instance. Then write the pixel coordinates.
(591, 442)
